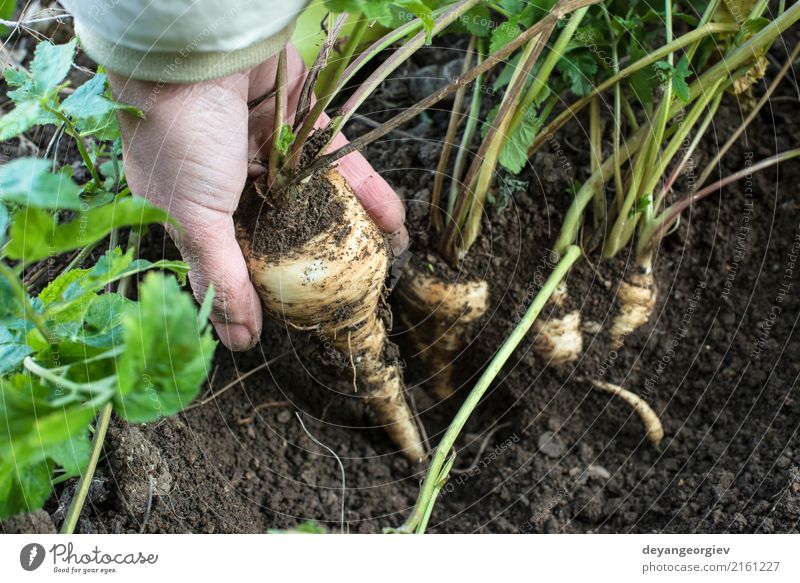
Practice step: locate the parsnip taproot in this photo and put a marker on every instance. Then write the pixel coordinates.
(332, 284)
(559, 339)
(439, 316)
(636, 301)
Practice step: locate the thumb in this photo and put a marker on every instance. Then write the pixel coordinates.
(215, 258)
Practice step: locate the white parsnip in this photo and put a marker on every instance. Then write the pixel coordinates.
(333, 285)
(439, 316)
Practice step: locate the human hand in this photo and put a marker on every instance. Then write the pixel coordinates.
(191, 156)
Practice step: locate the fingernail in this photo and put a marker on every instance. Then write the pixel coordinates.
(236, 337)
(399, 242)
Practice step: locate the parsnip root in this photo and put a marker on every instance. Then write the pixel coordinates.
(636, 299)
(651, 421)
(439, 316)
(559, 340)
(332, 284)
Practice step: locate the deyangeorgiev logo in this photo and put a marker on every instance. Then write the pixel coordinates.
(31, 556)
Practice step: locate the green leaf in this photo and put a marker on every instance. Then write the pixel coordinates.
(13, 350)
(23, 488)
(93, 110)
(36, 234)
(10, 307)
(29, 182)
(19, 120)
(284, 139)
(50, 64)
(579, 68)
(31, 423)
(425, 14)
(478, 21)
(679, 75)
(167, 352)
(514, 154)
(378, 10)
(642, 203)
(504, 34)
(7, 10)
(73, 454)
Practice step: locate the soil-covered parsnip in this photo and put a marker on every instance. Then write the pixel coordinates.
(326, 275)
(439, 316)
(636, 299)
(559, 339)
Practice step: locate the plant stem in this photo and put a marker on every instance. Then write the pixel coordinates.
(73, 132)
(470, 203)
(456, 116)
(410, 113)
(82, 489)
(275, 160)
(669, 216)
(466, 138)
(437, 473)
(750, 117)
(596, 159)
(679, 43)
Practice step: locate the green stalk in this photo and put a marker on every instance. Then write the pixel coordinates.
(82, 489)
(324, 160)
(327, 89)
(548, 64)
(750, 117)
(470, 203)
(466, 139)
(75, 135)
(701, 131)
(573, 218)
(400, 56)
(435, 215)
(439, 470)
(679, 43)
(660, 225)
(275, 157)
(596, 158)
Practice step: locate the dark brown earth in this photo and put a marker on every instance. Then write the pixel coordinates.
(719, 362)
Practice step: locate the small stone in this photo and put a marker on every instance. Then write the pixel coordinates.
(551, 444)
(598, 472)
(284, 417)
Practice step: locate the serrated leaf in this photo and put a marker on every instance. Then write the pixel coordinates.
(19, 120)
(167, 354)
(579, 68)
(425, 14)
(514, 154)
(504, 34)
(13, 349)
(73, 454)
(29, 182)
(23, 488)
(35, 234)
(50, 64)
(378, 10)
(285, 139)
(478, 21)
